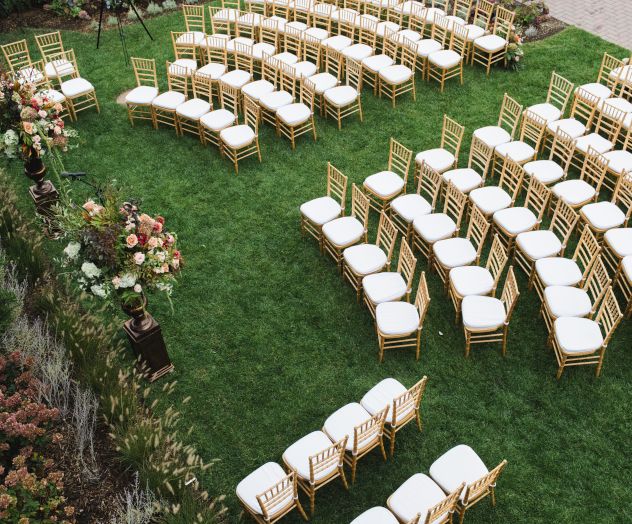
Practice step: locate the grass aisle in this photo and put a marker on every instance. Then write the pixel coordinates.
(268, 340)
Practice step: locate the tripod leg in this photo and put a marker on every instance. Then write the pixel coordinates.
(131, 4)
(100, 22)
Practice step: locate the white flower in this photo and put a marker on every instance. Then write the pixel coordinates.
(127, 280)
(72, 250)
(98, 290)
(90, 270)
(138, 288)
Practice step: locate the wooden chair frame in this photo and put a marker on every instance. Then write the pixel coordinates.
(479, 489)
(251, 119)
(354, 79)
(451, 139)
(479, 160)
(145, 74)
(177, 80)
(82, 101)
(292, 132)
(611, 258)
(593, 172)
(561, 152)
(532, 132)
(202, 89)
(50, 46)
(503, 26)
(458, 44)
(409, 404)
(621, 197)
(483, 13)
(389, 48)
(408, 58)
(17, 55)
(583, 109)
(399, 159)
(559, 92)
(624, 285)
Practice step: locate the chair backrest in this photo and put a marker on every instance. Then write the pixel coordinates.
(608, 315)
(328, 459)
(477, 230)
(584, 106)
(406, 264)
(407, 403)
(562, 149)
(177, 78)
(503, 25)
(511, 178)
(537, 198)
(354, 74)
(183, 45)
(337, 185)
(311, 50)
(532, 129)
(559, 93)
(216, 50)
(510, 112)
(252, 111)
(458, 41)
(587, 250)
(246, 28)
(145, 71)
(563, 222)
(16, 54)
(386, 236)
(321, 17)
(218, 24)
(422, 298)
(280, 9)
(451, 135)
(429, 184)
(399, 159)
(194, 19)
(496, 260)
(347, 23)
(369, 432)
(269, 68)
(597, 282)
(367, 32)
(447, 505)
(230, 4)
(287, 78)
(481, 487)
(407, 54)
(462, 8)
(483, 14)
(417, 19)
(608, 64)
(440, 31)
(293, 40)
(609, 121)
(269, 33)
(360, 205)
(243, 57)
(391, 44)
(278, 499)
(594, 169)
(510, 294)
(301, 10)
(202, 86)
(454, 205)
(230, 98)
(480, 156)
(62, 70)
(333, 62)
(49, 45)
(622, 195)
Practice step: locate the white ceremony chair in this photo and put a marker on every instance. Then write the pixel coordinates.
(490, 199)
(242, 141)
(504, 131)
(555, 167)
(163, 107)
(557, 98)
(446, 156)
(139, 99)
(580, 191)
(468, 178)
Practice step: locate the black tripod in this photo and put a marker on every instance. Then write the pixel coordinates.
(118, 9)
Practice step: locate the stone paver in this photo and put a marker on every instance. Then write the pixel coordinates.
(610, 19)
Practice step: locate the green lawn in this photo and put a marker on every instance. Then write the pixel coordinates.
(269, 341)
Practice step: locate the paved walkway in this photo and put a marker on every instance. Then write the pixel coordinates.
(610, 19)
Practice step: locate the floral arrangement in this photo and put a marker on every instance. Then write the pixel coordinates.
(30, 121)
(116, 252)
(514, 52)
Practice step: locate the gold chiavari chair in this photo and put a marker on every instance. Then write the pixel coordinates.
(346, 231)
(454, 252)
(300, 10)
(195, 23)
(491, 49)
(266, 84)
(580, 119)
(535, 245)
(213, 122)
(371, 65)
(364, 432)
(384, 186)
(403, 405)
(346, 100)
(268, 494)
(294, 120)
(324, 461)
(583, 341)
(189, 113)
(366, 38)
(607, 77)
(468, 178)
(319, 211)
(422, 497)
(446, 156)
(572, 301)
(623, 281)
(481, 23)
(579, 192)
(560, 271)
(32, 74)
(284, 95)
(511, 221)
(399, 324)
(428, 229)
(476, 280)
(331, 75)
(220, 23)
(389, 286)
(346, 21)
(491, 199)
(557, 98)
(216, 61)
(398, 79)
(619, 160)
(256, 6)
(241, 141)
(292, 43)
(320, 16)
(80, 94)
(555, 168)
(602, 216)
(448, 63)
(242, 74)
(460, 13)
(365, 259)
(229, 13)
(248, 25)
(139, 99)
(461, 465)
(405, 208)
(505, 129)
(17, 55)
(163, 107)
(486, 319)
(50, 46)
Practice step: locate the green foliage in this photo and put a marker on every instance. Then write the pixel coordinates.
(15, 6)
(153, 9)
(69, 8)
(169, 5)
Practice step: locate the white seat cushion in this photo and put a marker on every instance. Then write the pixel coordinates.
(214, 70)
(626, 265)
(515, 220)
(558, 271)
(569, 125)
(194, 37)
(539, 244)
(294, 114)
(454, 252)
(193, 109)
(435, 226)
(168, 100)
(142, 95)
(411, 206)
(341, 96)
(384, 287)
(317, 33)
(457, 465)
(260, 48)
(384, 184)
(596, 89)
(620, 240)
(548, 112)
(376, 515)
(594, 140)
(304, 69)
(218, 120)
(259, 481)
(342, 422)
(382, 395)
(188, 63)
(471, 280)
(386, 27)
(396, 74)
(251, 19)
(396, 318)
(286, 58)
(567, 301)
(619, 161)
(516, 150)
(76, 87)
(545, 171)
(227, 14)
(275, 100)
(321, 210)
(603, 215)
(323, 82)
(445, 59)
(617, 102)
(409, 34)
(621, 73)
(574, 192)
(237, 136)
(53, 95)
(492, 136)
(364, 259)
(297, 455)
(482, 313)
(343, 231)
(426, 46)
(465, 179)
(490, 43)
(474, 31)
(358, 51)
(55, 68)
(236, 78)
(577, 336)
(337, 42)
(295, 24)
(375, 63)
(407, 7)
(416, 496)
(257, 89)
(438, 159)
(490, 199)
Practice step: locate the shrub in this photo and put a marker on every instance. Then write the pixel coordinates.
(111, 21)
(153, 9)
(69, 8)
(169, 5)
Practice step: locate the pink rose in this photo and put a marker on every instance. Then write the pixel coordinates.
(157, 227)
(152, 243)
(89, 206)
(131, 240)
(28, 127)
(116, 282)
(58, 107)
(139, 258)
(37, 139)
(170, 239)
(42, 113)
(57, 130)
(138, 288)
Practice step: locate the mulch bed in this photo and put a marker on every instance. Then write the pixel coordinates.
(549, 27)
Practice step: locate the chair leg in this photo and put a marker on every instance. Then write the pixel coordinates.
(343, 477)
(312, 500)
(354, 464)
(382, 449)
(393, 433)
(301, 510)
